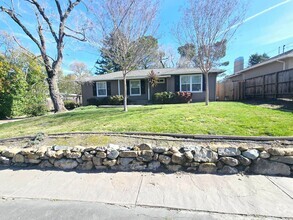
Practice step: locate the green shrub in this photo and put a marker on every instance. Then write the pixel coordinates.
(36, 109)
(171, 97)
(111, 100)
(116, 100)
(69, 105)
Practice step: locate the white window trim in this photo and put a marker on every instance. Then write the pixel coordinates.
(190, 82)
(97, 88)
(131, 87)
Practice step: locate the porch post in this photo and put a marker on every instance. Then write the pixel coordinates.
(149, 92)
(118, 87)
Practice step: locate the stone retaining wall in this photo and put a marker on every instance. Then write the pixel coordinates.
(192, 158)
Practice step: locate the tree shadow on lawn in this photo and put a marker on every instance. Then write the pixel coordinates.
(285, 105)
(117, 113)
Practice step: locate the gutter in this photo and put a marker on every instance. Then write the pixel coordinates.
(284, 63)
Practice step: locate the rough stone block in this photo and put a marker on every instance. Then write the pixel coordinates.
(164, 159)
(4, 161)
(145, 147)
(284, 159)
(229, 151)
(276, 151)
(178, 158)
(160, 149)
(230, 161)
(87, 165)
(128, 154)
(251, 154)
(18, 158)
(243, 160)
(228, 170)
(202, 154)
(207, 168)
(109, 163)
(65, 164)
(97, 161)
(266, 167)
(154, 165)
(264, 155)
(103, 155)
(112, 154)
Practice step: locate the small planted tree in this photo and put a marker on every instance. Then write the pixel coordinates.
(209, 25)
(123, 25)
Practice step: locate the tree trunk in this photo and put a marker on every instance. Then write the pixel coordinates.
(125, 93)
(207, 97)
(55, 94)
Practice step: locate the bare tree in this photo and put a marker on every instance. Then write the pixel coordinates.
(167, 57)
(58, 28)
(79, 69)
(209, 25)
(122, 25)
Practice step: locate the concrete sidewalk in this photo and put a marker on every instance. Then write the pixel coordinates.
(36, 194)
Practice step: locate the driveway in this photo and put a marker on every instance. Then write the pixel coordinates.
(36, 194)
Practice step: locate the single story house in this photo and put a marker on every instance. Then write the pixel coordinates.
(140, 91)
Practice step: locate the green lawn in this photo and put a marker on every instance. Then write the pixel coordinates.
(219, 118)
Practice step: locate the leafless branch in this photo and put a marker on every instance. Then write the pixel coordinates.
(26, 31)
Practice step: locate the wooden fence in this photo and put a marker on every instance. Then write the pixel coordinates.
(274, 85)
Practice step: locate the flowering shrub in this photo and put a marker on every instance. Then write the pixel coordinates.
(116, 100)
(171, 97)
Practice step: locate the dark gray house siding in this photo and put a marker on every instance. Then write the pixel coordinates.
(171, 84)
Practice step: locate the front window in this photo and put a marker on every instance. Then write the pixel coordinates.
(101, 89)
(135, 87)
(191, 83)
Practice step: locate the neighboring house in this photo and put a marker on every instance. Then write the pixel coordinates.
(140, 91)
(272, 78)
(278, 63)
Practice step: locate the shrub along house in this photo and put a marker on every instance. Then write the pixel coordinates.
(139, 89)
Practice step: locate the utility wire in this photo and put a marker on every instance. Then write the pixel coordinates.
(268, 53)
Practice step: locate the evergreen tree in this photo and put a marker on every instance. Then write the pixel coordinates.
(257, 58)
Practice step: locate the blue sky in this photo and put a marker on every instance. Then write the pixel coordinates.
(269, 25)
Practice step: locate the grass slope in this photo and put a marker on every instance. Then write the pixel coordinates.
(219, 118)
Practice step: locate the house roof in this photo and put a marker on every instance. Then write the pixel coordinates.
(142, 74)
(282, 56)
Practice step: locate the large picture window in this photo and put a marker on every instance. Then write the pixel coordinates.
(191, 83)
(135, 87)
(101, 89)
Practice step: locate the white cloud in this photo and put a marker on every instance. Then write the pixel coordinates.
(266, 10)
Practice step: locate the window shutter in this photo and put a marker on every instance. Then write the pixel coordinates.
(128, 88)
(203, 82)
(142, 83)
(95, 89)
(108, 88)
(177, 83)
